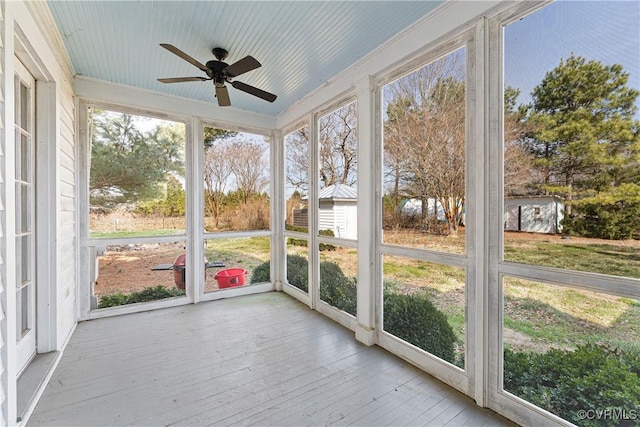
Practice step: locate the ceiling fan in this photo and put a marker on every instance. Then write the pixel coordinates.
(221, 73)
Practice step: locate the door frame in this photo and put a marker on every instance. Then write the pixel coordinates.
(47, 183)
(26, 345)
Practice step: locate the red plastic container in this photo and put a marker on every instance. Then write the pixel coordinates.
(230, 277)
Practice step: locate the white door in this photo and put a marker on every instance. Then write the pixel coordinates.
(25, 216)
(513, 218)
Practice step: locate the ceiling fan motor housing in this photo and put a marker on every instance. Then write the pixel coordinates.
(220, 73)
(220, 53)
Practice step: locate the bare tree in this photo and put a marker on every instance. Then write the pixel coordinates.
(427, 134)
(519, 173)
(217, 172)
(297, 152)
(396, 139)
(249, 167)
(338, 146)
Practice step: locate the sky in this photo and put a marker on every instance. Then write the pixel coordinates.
(606, 31)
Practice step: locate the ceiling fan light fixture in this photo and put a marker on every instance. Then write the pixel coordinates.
(221, 73)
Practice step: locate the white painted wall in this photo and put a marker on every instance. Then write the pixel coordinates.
(339, 216)
(4, 361)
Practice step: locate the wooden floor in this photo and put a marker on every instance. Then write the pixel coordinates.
(262, 359)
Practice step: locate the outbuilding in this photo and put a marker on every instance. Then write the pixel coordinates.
(338, 210)
(534, 214)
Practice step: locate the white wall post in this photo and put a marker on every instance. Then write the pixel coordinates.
(278, 211)
(194, 153)
(312, 221)
(367, 175)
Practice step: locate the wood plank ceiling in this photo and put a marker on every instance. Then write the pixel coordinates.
(301, 45)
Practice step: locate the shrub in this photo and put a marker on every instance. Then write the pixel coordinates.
(298, 242)
(337, 289)
(566, 382)
(147, 294)
(416, 320)
(297, 272)
(299, 229)
(303, 242)
(608, 215)
(262, 273)
(326, 246)
(252, 215)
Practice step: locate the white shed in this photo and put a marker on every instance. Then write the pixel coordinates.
(535, 214)
(338, 210)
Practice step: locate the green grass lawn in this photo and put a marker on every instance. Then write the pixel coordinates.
(617, 260)
(548, 315)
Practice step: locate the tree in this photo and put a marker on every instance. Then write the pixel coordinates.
(211, 135)
(519, 173)
(128, 165)
(584, 134)
(175, 201)
(425, 136)
(297, 152)
(217, 172)
(396, 138)
(338, 146)
(338, 143)
(249, 167)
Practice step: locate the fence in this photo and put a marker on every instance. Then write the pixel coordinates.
(128, 222)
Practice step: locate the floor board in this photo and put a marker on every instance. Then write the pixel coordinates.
(255, 360)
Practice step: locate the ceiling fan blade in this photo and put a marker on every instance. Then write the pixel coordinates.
(223, 96)
(246, 64)
(183, 55)
(183, 79)
(254, 91)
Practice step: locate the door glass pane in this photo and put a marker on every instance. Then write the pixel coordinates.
(19, 314)
(22, 312)
(23, 208)
(19, 262)
(26, 261)
(25, 159)
(26, 308)
(25, 102)
(18, 207)
(25, 205)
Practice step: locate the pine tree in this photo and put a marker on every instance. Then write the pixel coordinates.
(585, 137)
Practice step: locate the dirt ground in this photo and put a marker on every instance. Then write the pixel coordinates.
(128, 268)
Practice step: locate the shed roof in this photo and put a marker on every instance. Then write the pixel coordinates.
(338, 192)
